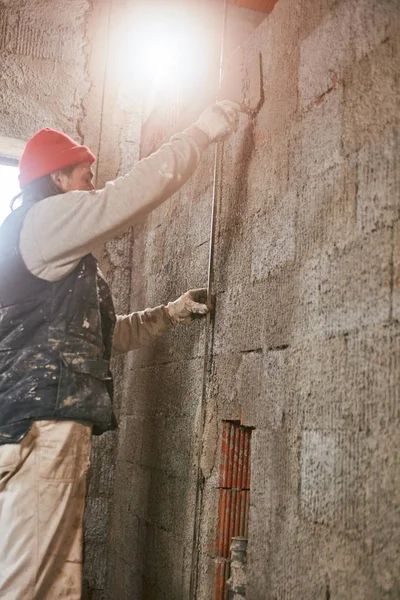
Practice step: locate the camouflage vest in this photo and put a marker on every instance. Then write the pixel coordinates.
(55, 342)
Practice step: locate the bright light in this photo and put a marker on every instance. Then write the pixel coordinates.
(161, 60)
(9, 188)
(160, 50)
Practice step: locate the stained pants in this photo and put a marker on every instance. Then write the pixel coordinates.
(42, 496)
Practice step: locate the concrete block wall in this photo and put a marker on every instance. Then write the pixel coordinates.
(316, 368)
(306, 334)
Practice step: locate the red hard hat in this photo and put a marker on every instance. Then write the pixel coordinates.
(47, 151)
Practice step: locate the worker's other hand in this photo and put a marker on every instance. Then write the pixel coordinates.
(219, 120)
(188, 306)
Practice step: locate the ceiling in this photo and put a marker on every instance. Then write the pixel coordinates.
(265, 6)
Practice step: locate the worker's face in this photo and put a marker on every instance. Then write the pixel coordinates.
(79, 180)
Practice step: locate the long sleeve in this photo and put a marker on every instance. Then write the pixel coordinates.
(139, 328)
(60, 230)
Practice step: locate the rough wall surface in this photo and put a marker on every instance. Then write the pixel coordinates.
(54, 59)
(307, 333)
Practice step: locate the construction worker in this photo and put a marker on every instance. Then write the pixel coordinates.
(57, 331)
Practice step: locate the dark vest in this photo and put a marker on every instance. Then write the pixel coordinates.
(55, 342)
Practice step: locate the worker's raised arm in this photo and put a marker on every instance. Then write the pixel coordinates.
(77, 222)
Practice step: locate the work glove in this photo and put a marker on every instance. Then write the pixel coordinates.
(219, 120)
(188, 306)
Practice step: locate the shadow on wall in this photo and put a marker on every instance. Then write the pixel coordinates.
(169, 428)
(234, 206)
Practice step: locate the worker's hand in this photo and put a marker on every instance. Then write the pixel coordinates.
(188, 306)
(219, 120)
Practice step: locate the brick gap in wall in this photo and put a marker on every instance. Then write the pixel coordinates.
(234, 498)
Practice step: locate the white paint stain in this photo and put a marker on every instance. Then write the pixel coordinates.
(167, 175)
(69, 401)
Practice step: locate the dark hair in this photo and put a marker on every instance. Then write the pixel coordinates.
(41, 188)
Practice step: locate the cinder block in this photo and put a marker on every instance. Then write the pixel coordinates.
(396, 273)
(259, 577)
(167, 506)
(312, 14)
(372, 23)
(163, 565)
(349, 382)
(130, 438)
(28, 81)
(346, 33)
(198, 267)
(277, 39)
(374, 369)
(138, 299)
(333, 474)
(268, 171)
(97, 519)
(378, 181)
(238, 150)
(123, 581)
(168, 445)
(153, 258)
(287, 552)
(371, 96)
(178, 219)
(280, 92)
(273, 514)
(159, 216)
(305, 287)
(208, 524)
(95, 566)
(127, 540)
(102, 472)
(200, 184)
(276, 405)
(355, 284)
(259, 485)
(165, 389)
(326, 211)
(383, 520)
(232, 256)
(316, 140)
(199, 221)
(273, 243)
(222, 388)
(131, 496)
(210, 442)
(259, 308)
(254, 386)
(206, 578)
(324, 54)
(248, 388)
(246, 304)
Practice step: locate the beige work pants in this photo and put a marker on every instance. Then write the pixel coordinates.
(42, 496)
